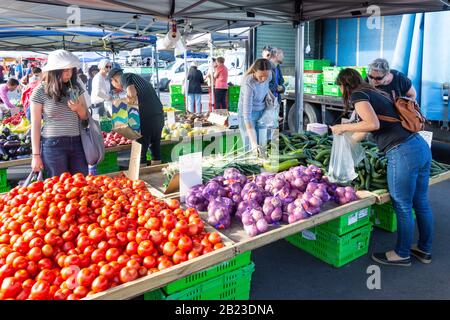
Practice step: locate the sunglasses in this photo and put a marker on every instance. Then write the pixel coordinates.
(376, 78)
(108, 67)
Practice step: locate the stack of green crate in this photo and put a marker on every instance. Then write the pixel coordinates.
(313, 83)
(171, 152)
(230, 280)
(109, 163)
(233, 98)
(330, 88)
(177, 97)
(383, 216)
(315, 64)
(338, 241)
(4, 187)
(362, 71)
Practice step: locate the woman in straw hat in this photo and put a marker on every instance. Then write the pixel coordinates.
(60, 102)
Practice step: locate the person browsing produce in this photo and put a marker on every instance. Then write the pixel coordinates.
(195, 78)
(10, 86)
(220, 83)
(139, 91)
(388, 80)
(101, 88)
(60, 100)
(254, 89)
(408, 168)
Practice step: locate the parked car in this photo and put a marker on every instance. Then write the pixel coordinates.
(174, 73)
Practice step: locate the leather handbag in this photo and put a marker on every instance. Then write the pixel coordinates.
(92, 140)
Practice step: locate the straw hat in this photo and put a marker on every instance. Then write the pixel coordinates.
(61, 59)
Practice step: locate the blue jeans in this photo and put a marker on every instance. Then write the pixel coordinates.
(63, 154)
(197, 97)
(408, 173)
(261, 132)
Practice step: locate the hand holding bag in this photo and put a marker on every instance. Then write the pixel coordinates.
(92, 140)
(269, 118)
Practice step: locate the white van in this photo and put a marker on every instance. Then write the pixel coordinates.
(235, 62)
(174, 72)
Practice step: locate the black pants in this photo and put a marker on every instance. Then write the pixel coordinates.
(221, 98)
(99, 108)
(151, 137)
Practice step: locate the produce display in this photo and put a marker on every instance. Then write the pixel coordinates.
(268, 199)
(14, 146)
(312, 149)
(186, 125)
(17, 123)
(112, 139)
(69, 237)
(213, 166)
(169, 109)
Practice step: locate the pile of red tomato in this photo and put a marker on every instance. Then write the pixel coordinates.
(69, 237)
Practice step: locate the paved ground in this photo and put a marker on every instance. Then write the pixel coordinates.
(285, 272)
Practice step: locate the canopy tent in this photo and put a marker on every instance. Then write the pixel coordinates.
(74, 39)
(146, 52)
(217, 39)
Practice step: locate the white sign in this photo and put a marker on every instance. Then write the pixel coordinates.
(353, 219)
(170, 118)
(309, 235)
(362, 213)
(190, 172)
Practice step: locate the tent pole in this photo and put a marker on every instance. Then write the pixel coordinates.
(186, 81)
(211, 70)
(299, 65)
(157, 75)
(153, 64)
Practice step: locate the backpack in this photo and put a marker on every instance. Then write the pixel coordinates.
(409, 111)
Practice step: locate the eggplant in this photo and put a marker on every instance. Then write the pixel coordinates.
(12, 152)
(13, 137)
(2, 142)
(2, 151)
(2, 136)
(6, 131)
(11, 144)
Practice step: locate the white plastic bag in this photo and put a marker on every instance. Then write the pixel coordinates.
(345, 155)
(269, 118)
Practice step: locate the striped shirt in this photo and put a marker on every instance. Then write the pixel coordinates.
(59, 119)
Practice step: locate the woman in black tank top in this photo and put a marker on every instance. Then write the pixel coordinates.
(408, 170)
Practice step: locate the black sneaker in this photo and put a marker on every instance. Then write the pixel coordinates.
(421, 256)
(381, 258)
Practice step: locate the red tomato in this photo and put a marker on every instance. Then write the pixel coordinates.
(99, 284)
(128, 274)
(132, 248)
(193, 255)
(62, 294)
(174, 236)
(218, 246)
(97, 234)
(149, 262)
(131, 235)
(123, 259)
(169, 249)
(165, 264)
(10, 288)
(40, 290)
(108, 271)
(193, 229)
(153, 223)
(214, 238)
(145, 248)
(121, 224)
(98, 255)
(47, 250)
(142, 235)
(85, 278)
(185, 244)
(134, 264)
(156, 237)
(32, 268)
(182, 226)
(179, 256)
(169, 222)
(46, 275)
(72, 260)
(112, 254)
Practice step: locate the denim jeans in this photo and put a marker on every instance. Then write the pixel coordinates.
(197, 98)
(408, 173)
(63, 154)
(261, 132)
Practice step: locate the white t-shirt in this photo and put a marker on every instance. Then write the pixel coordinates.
(100, 89)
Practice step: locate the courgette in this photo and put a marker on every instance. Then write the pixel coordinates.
(281, 166)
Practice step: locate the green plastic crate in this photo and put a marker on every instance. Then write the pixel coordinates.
(314, 64)
(313, 78)
(330, 74)
(106, 170)
(175, 89)
(233, 106)
(383, 216)
(109, 163)
(313, 89)
(332, 249)
(106, 125)
(4, 189)
(348, 222)
(232, 90)
(362, 71)
(177, 100)
(3, 177)
(233, 98)
(237, 262)
(233, 285)
(330, 89)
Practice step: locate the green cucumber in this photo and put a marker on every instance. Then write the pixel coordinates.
(282, 166)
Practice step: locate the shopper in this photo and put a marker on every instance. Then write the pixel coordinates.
(254, 89)
(93, 70)
(267, 52)
(60, 100)
(18, 70)
(2, 76)
(195, 78)
(33, 82)
(277, 83)
(210, 75)
(139, 91)
(10, 86)
(382, 77)
(101, 88)
(408, 170)
(221, 84)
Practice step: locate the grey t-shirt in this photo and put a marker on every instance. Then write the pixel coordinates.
(252, 96)
(59, 119)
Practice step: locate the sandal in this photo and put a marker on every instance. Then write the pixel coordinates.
(382, 258)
